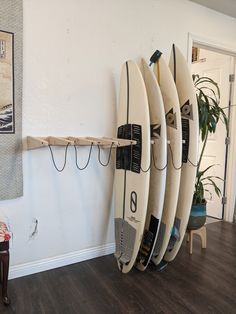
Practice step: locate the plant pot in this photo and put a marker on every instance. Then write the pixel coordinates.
(197, 217)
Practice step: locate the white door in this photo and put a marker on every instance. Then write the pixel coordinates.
(217, 67)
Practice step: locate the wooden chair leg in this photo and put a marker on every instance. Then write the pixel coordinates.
(190, 242)
(203, 237)
(187, 237)
(5, 267)
(1, 271)
(199, 232)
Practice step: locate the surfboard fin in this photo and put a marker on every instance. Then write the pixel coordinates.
(160, 267)
(163, 264)
(175, 235)
(145, 247)
(159, 240)
(156, 56)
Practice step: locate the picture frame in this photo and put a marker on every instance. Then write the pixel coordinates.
(7, 101)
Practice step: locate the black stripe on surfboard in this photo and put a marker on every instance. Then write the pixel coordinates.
(127, 121)
(124, 194)
(174, 56)
(127, 80)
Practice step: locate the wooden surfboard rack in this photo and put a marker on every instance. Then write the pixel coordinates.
(105, 142)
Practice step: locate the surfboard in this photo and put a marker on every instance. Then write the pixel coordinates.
(190, 131)
(131, 184)
(174, 154)
(158, 166)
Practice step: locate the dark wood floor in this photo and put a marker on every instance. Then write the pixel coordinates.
(202, 283)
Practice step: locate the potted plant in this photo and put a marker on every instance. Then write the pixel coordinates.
(210, 113)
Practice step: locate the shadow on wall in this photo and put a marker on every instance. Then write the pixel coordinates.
(108, 184)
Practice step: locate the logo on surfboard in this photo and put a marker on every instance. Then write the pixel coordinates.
(133, 219)
(133, 201)
(155, 131)
(171, 119)
(187, 110)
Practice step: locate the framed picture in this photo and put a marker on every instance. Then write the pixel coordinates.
(7, 108)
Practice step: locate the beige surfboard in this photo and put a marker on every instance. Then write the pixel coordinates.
(190, 130)
(174, 155)
(131, 183)
(158, 166)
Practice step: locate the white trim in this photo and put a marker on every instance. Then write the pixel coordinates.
(59, 261)
(208, 43)
(231, 167)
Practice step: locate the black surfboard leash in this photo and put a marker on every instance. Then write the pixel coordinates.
(88, 160)
(109, 155)
(152, 162)
(172, 160)
(53, 159)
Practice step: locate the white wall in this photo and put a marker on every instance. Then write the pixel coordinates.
(73, 52)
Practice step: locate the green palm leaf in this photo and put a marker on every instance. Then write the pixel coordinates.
(210, 113)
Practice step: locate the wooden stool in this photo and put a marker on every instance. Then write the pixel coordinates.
(4, 264)
(201, 232)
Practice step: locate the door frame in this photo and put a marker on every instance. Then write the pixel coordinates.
(230, 184)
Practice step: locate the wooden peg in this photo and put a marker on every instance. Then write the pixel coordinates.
(111, 140)
(81, 141)
(103, 141)
(59, 141)
(107, 142)
(97, 140)
(121, 142)
(36, 142)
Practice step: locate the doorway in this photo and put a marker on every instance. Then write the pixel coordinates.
(219, 67)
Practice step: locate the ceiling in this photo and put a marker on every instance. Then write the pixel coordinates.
(227, 7)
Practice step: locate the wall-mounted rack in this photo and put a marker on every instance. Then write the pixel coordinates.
(101, 142)
(104, 142)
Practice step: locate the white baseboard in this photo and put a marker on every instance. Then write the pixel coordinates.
(59, 261)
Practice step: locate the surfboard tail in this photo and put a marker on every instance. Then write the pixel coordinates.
(125, 236)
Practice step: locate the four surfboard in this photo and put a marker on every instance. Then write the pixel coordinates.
(150, 222)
